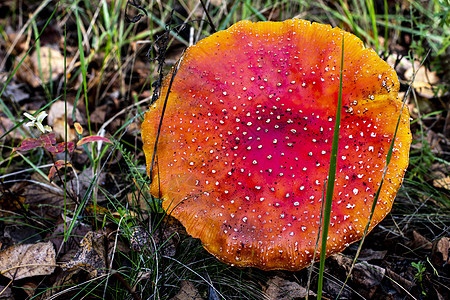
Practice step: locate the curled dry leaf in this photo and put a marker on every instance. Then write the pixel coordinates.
(93, 138)
(418, 241)
(440, 252)
(26, 260)
(58, 165)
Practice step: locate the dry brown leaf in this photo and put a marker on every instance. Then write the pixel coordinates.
(15, 92)
(5, 125)
(26, 260)
(10, 202)
(425, 81)
(399, 283)
(187, 292)
(442, 183)
(369, 254)
(25, 72)
(57, 120)
(91, 256)
(22, 44)
(5, 293)
(30, 288)
(50, 61)
(44, 199)
(419, 241)
(368, 276)
(341, 261)
(440, 251)
(280, 289)
(63, 282)
(98, 116)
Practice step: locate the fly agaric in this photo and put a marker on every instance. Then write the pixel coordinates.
(245, 142)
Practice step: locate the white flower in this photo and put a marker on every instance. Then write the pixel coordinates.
(37, 122)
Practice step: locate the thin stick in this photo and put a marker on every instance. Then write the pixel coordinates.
(208, 16)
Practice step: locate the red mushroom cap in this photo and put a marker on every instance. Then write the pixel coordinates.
(246, 139)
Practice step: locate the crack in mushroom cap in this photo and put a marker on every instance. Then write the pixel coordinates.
(246, 140)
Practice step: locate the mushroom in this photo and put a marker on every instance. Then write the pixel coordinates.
(246, 138)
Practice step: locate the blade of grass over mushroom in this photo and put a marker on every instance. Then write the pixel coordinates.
(174, 73)
(311, 267)
(331, 179)
(385, 170)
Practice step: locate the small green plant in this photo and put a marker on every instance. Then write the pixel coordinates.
(420, 267)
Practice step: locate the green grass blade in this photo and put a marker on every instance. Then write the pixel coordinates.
(371, 9)
(83, 66)
(331, 179)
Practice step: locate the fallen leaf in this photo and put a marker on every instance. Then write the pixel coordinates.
(46, 200)
(440, 251)
(187, 292)
(26, 260)
(399, 283)
(6, 125)
(63, 283)
(425, 82)
(25, 71)
(419, 241)
(369, 254)
(15, 92)
(56, 167)
(442, 183)
(10, 202)
(93, 138)
(49, 61)
(91, 256)
(74, 239)
(98, 116)
(5, 293)
(280, 289)
(83, 183)
(78, 128)
(57, 120)
(21, 234)
(368, 276)
(30, 288)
